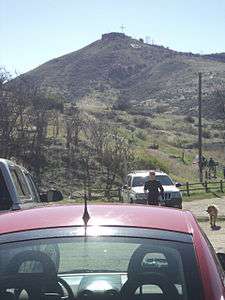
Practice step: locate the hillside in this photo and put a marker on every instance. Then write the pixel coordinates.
(135, 108)
(216, 56)
(118, 69)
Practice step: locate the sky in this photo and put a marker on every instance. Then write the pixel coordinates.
(35, 31)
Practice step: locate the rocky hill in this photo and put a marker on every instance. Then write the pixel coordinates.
(119, 69)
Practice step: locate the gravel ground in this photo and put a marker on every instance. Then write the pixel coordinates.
(198, 208)
(216, 237)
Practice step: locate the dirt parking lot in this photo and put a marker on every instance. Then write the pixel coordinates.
(198, 208)
(216, 237)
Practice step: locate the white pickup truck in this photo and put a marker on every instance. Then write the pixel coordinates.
(18, 190)
(133, 190)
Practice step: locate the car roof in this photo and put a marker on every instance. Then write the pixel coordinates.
(141, 216)
(10, 163)
(6, 161)
(144, 173)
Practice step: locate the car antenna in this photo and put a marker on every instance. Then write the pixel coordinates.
(86, 216)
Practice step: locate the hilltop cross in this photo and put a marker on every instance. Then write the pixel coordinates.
(122, 28)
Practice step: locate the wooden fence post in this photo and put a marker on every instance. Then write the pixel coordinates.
(206, 187)
(119, 194)
(187, 187)
(221, 186)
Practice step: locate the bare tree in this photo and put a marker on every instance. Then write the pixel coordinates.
(13, 103)
(24, 120)
(95, 153)
(110, 150)
(72, 118)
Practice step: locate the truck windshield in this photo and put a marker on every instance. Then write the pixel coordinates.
(140, 180)
(164, 180)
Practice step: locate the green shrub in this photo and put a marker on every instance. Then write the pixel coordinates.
(218, 126)
(156, 126)
(145, 161)
(161, 108)
(206, 134)
(139, 110)
(216, 135)
(189, 119)
(130, 127)
(141, 134)
(121, 104)
(191, 130)
(142, 122)
(180, 143)
(154, 146)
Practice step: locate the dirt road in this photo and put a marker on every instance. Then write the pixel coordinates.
(216, 237)
(198, 208)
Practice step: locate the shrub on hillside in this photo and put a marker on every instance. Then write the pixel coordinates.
(191, 130)
(130, 127)
(161, 108)
(180, 143)
(189, 119)
(138, 110)
(154, 146)
(216, 135)
(155, 126)
(141, 134)
(142, 122)
(121, 104)
(112, 114)
(144, 161)
(206, 134)
(217, 126)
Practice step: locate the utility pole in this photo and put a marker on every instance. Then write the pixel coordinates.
(200, 126)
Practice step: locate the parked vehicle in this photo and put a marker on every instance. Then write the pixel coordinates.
(133, 190)
(18, 190)
(119, 252)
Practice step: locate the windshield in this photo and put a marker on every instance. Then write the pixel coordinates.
(140, 180)
(165, 180)
(101, 264)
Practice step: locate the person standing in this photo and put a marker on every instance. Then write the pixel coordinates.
(212, 168)
(154, 189)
